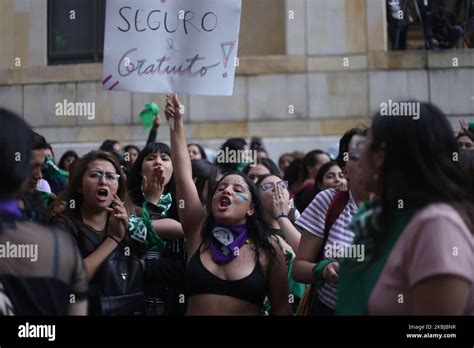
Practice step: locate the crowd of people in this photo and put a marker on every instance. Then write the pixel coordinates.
(383, 228)
(446, 24)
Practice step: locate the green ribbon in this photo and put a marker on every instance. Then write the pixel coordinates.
(148, 114)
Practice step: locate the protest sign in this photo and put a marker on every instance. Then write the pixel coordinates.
(171, 46)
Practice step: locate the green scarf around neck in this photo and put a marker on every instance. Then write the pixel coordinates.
(141, 228)
(357, 279)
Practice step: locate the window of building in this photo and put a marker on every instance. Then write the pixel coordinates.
(75, 31)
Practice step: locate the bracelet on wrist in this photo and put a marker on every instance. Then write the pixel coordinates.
(114, 239)
(282, 215)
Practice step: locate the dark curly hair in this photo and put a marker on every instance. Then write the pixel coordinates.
(258, 227)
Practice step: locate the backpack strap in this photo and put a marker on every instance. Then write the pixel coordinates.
(336, 207)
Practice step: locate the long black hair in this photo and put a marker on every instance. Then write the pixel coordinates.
(344, 142)
(320, 176)
(201, 174)
(310, 160)
(420, 165)
(16, 142)
(267, 163)
(64, 157)
(466, 160)
(135, 179)
(257, 224)
(232, 144)
(131, 147)
(293, 173)
(201, 150)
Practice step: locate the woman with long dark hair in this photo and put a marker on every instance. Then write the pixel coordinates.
(312, 161)
(262, 167)
(67, 160)
(278, 211)
(151, 188)
(196, 152)
(96, 216)
(232, 263)
(417, 234)
(330, 175)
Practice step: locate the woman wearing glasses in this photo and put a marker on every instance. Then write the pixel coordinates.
(276, 204)
(232, 263)
(277, 208)
(95, 212)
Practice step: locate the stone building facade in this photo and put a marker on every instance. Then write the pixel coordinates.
(308, 71)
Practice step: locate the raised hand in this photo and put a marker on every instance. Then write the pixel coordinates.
(281, 204)
(174, 110)
(118, 219)
(464, 126)
(153, 188)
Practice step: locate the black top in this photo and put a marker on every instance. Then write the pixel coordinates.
(199, 280)
(40, 269)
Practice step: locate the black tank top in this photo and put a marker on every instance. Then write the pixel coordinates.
(252, 288)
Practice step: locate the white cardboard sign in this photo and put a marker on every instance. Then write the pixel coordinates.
(171, 46)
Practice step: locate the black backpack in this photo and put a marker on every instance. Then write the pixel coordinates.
(117, 287)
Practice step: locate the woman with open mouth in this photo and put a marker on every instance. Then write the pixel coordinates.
(96, 216)
(232, 263)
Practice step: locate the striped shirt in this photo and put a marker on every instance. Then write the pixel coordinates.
(313, 219)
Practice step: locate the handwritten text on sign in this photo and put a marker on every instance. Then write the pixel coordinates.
(171, 46)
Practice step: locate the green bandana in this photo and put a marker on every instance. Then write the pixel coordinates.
(357, 279)
(45, 197)
(148, 114)
(141, 228)
(241, 165)
(164, 204)
(51, 170)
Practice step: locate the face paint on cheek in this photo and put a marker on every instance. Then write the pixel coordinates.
(242, 196)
